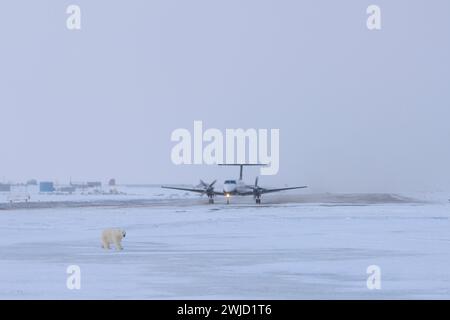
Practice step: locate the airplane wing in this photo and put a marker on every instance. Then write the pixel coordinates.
(263, 191)
(184, 189)
(190, 190)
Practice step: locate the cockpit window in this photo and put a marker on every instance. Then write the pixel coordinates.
(230, 181)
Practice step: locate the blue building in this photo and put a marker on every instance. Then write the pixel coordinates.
(46, 187)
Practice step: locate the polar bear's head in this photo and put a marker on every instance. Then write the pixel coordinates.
(124, 233)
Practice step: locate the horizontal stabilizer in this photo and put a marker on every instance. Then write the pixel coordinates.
(242, 165)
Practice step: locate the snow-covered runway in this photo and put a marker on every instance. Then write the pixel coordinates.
(293, 251)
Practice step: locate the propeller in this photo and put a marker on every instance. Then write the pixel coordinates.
(257, 190)
(208, 187)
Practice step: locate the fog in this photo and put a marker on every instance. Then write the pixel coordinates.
(357, 110)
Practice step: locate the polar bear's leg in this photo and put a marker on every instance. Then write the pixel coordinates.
(118, 240)
(105, 241)
(105, 245)
(118, 245)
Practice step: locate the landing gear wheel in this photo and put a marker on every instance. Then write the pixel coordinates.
(258, 201)
(211, 201)
(228, 201)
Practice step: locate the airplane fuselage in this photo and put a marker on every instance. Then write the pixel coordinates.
(233, 187)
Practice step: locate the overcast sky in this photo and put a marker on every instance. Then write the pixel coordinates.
(357, 110)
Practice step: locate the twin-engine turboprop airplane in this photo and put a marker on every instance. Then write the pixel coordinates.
(233, 187)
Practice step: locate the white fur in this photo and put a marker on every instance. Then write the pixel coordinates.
(112, 236)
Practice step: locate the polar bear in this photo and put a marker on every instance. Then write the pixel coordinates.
(113, 236)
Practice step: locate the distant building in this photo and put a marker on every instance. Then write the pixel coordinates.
(5, 187)
(32, 182)
(78, 185)
(46, 187)
(94, 184)
(67, 189)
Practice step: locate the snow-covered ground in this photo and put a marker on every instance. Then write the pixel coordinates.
(318, 247)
